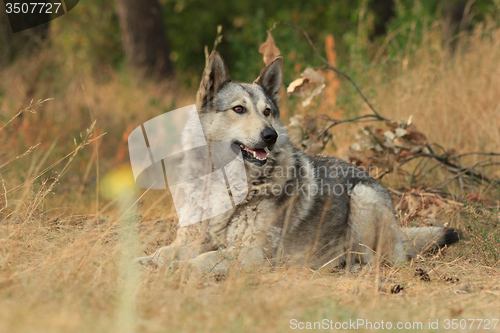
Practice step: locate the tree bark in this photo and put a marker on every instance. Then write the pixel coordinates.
(20, 43)
(144, 38)
(384, 12)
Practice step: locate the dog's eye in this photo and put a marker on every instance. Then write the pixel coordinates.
(239, 109)
(267, 112)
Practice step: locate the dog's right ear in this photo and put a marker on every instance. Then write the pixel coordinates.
(271, 78)
(215, 76)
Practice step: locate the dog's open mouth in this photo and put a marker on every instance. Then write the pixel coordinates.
(257, 156)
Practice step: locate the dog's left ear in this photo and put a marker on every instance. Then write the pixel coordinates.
(271, 79)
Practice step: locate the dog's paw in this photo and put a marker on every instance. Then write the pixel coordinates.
(356, 267)
(156, 259)
(144, 260)
(174, 265)
(161, 257)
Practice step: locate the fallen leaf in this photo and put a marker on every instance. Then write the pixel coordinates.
(309, 85)
(306, 132)
(400, 132)
(269, 49)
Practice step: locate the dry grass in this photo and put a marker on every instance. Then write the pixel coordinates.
(64, 251)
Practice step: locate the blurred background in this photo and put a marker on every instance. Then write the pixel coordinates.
(98, 38)
(91, 39)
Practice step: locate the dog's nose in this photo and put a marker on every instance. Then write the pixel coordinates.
(269, 136)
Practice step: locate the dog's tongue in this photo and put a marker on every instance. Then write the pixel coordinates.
(259, 153)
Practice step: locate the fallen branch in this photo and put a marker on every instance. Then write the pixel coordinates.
(330, 66)
(401, 154)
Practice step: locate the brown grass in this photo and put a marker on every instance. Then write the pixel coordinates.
(64, 251)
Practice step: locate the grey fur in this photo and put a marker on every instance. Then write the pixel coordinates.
(353, 223)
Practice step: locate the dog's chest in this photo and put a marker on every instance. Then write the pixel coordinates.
(251, 224)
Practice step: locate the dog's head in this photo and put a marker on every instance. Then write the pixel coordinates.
(245, 114)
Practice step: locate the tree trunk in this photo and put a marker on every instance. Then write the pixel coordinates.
(384, 12)
(144, 37)
(20, 43)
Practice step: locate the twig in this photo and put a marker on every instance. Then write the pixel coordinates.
(444, 160)
(330, 66)
(477, 153)
(451, 162)
(335, 122)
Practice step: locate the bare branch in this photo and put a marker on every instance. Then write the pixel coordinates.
(330, 66)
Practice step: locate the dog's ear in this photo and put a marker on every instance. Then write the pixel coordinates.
(271, 79)
(214, 77)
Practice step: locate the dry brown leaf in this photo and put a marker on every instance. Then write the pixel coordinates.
(306, 132)
(383, 148)
(309, 85)
(269, 49)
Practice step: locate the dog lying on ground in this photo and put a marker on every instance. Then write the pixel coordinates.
(313, 210)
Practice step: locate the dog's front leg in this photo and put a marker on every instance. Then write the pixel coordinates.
(208, 262)
(164, 255)
(190, 242)
(222, 260)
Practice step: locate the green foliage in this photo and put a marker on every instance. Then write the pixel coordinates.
(413, 18)
(88, 38)
(191, 24)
